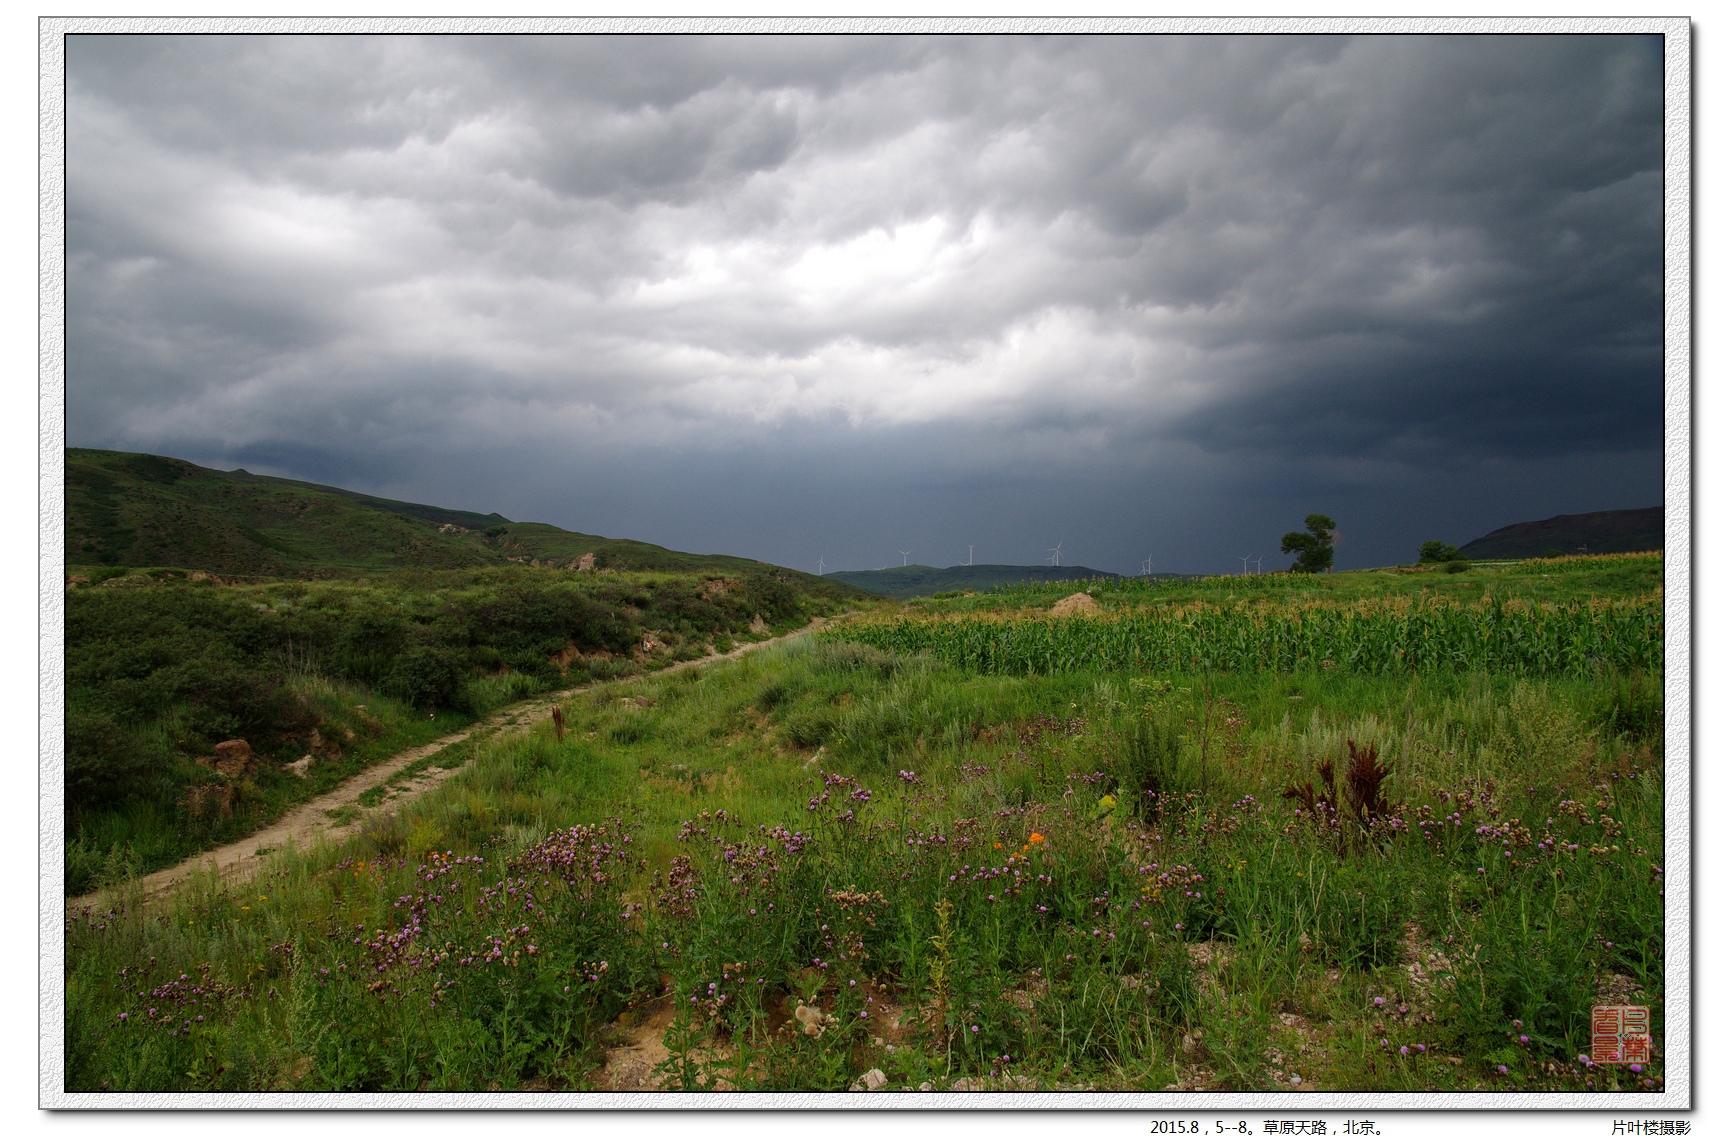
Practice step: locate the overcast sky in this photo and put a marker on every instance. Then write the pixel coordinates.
(790, 298)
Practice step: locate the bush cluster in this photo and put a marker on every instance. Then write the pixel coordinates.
(160, 673)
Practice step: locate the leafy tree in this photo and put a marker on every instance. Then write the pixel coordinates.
(1435, 552)
(1314, 549)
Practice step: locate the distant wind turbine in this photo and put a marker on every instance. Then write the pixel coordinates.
(1147, 565)
(819, 566)
(904, 552)
(970, 555)
(1258, 566)
(1056, 555)
(1245, 560)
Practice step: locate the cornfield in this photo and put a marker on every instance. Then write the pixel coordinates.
(1386, 636)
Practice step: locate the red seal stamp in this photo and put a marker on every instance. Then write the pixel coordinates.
(1621, 1035)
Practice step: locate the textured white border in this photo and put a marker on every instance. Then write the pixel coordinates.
(1678, 460)
(51, 560)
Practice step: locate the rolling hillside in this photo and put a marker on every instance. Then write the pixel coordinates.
(1619, 530)
(924, 580)
(139, 510)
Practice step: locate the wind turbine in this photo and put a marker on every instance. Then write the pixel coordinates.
(1056, 555)
(904, 552)
(1245, 560)
(819, 566)
(970, 555)
(1258, 566)
(1147, 565)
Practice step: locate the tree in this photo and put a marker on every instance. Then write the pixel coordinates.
(1315, 548)
(1435, 552)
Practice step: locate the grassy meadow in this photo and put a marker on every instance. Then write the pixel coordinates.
(1387, 831)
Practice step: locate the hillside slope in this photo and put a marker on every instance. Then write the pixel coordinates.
(140, 510)
(923, 580)
(1618, 530)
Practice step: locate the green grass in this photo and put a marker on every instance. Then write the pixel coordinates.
(1089, 877)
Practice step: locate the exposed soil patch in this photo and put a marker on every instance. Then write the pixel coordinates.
(631, 1066)
(1422, 961)
(1294, 1054)
(1616, 989)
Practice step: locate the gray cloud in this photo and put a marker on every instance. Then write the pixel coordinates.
(578, 278)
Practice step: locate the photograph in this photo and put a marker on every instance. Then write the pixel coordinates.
(1004, 566)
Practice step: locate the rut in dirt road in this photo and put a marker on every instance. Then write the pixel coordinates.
(237, 861)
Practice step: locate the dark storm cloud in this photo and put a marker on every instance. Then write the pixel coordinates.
(1304, 266)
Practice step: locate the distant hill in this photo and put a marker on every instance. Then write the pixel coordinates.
(141, 510)
(923, 580)
(1618, 530)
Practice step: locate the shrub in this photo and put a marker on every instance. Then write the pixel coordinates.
(425, 676)
(104, 764)
(1435, 552)
(1150, 755)
(1457, 566)
(771, 596)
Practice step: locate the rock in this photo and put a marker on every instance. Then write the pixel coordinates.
(870, 1082)
(299, 767)
(925, 1086)
(968, 1084)
(76, 579)
(758, 627)
(233, 758)
(1080, 604)
(583, 563)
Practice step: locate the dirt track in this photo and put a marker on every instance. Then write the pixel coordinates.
(237, 861)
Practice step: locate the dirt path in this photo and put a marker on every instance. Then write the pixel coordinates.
(311, 820)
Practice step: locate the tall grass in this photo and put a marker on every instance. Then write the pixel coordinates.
(1386, 636)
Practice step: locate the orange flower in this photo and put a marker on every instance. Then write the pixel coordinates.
(997, 845)
(1036, 838)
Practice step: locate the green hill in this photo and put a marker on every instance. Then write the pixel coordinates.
(140, 510)
(1618, 530)
(913, 580)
